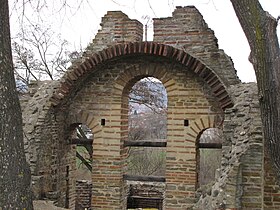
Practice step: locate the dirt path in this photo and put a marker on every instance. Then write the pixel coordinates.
(45, 205)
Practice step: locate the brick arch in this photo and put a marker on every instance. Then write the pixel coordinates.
(193, 133)
(88, 119)
(197, 126)
(130, 76)
(79, 71)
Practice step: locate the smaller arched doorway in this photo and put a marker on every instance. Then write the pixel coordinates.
(209, 154)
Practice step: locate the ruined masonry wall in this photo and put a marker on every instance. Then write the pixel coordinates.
(116, 28)
(46, 149)
(243, 149)
(46, 145)
(239, 182)
(271, 194)
(83, 192)
(187, 30)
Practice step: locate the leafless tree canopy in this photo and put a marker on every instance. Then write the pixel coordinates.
(39, 55)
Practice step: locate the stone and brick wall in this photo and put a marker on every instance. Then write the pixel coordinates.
(239, 182)
(187, 30)
(271, 191)
(83, 192)
(103, 94)
(52, 160)
(116, 28)
(245, 147)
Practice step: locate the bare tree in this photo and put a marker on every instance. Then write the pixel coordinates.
(39, 54)
(15, 189)
(147, 161)
(149, 92)
(148, 125)
(260, 29)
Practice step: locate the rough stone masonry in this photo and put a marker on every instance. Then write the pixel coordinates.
(202, 88)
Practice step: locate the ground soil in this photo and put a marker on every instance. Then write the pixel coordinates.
(45, 205)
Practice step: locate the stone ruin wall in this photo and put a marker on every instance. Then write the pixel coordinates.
(246, 179)
(239, 180)
(243, 179)
(48, 155)
(187, 30)
(83, 192)
(271, 192)
(116, 28)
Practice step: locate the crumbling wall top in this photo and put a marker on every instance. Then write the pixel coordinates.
(187, 30)
(116, 28)
(189, 17)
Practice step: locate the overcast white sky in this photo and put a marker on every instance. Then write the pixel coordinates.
(80, 26)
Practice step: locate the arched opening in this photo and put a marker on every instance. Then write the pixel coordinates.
(147, 122)
(81, 139)
(209, 153)
(147, 134)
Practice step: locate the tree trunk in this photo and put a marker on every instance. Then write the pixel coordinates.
(260, 30)
(15, 190)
